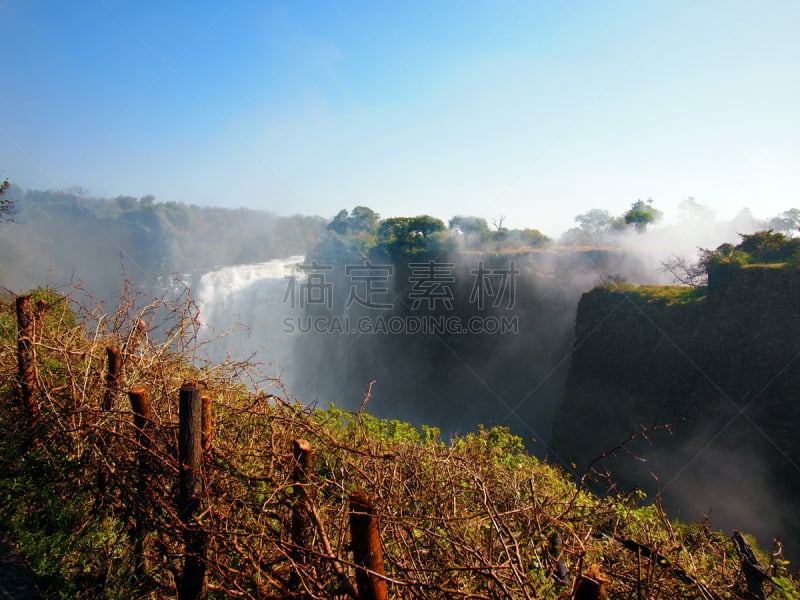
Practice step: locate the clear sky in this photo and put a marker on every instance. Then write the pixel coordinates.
(538, 111)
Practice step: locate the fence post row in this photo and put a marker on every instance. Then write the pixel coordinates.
(366, 546)
(25, 360)
(193, 584)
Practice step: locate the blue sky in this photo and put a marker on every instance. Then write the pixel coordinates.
(536, 111)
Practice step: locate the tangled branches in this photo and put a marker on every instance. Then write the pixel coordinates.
(97, 488)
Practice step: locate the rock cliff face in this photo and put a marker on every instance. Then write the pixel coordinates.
(722, 367)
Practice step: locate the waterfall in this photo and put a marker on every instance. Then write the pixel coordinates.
(241, 309)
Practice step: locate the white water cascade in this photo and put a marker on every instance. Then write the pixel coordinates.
(242, 310)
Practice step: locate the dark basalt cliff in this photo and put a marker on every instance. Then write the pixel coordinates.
(721, 366)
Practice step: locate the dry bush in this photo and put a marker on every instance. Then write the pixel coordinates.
(474, 518)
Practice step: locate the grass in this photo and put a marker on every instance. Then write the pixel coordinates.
(777, 265)
(667, 294)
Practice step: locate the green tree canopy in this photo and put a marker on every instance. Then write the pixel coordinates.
(468, 226)
(768, 246)
(761, 247)
(641, 215)
(364, 219)
(361, 220)
(411, 235)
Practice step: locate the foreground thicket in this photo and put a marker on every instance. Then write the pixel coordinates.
(92, 498)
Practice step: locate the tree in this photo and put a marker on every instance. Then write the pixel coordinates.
(683, 271)
(641, 215)
(425, 225)
(126, 203)
(761, 247)
(400, 236)
(361, 220)
(594, 222)
(768, 246)
(471, 228)
(532, 237)
(787, 222)
(468, 225)
(340, 223)
(7, 208)
(364, 219)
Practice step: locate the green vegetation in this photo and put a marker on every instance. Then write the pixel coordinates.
(760, 248)
(66, 230)
(362, 235)
(641, 215)
(667, 294)
(767, 248)
(598, 226)
(469, 517)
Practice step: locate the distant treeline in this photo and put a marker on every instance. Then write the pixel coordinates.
(74, 237)
(55, 237)
(361, 234)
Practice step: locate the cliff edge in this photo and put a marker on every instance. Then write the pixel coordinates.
(721, 366)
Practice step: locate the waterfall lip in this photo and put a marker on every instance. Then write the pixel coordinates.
(241, 310)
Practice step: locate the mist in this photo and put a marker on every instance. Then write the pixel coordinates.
(61, 239)
(452, 381)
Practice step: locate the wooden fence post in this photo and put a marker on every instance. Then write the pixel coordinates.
(366, 546)
(143, 423)
(112, 376)
(301, 520)
(591, 585)
(190, 458)
(25, 360)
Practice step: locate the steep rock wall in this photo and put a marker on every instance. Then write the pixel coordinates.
(723, 369)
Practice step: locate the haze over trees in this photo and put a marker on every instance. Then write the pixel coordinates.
(6, 203)
(73, 237)
(598, 226)
(65, 236)
(787, 222)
